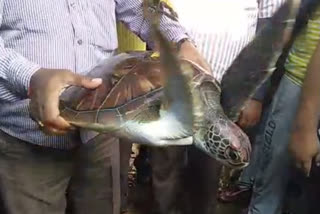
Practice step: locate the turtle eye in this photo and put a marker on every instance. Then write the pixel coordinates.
(232, 154)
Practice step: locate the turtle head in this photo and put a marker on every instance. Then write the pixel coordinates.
(226, 142)
(216, 134)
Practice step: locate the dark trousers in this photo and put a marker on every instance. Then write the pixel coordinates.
(125, 154)
(36, 180)
(167, 167)
(201, 182)
(184, 179)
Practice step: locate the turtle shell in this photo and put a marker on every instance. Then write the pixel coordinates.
(126, 77)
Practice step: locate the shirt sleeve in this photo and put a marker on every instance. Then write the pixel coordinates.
(130, 12)
(267, 8)
(14, 68)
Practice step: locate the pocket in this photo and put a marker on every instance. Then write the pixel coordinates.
(21, 15)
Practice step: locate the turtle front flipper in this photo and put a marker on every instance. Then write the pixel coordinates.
(175, 123)
(257, 61)
(177, 101)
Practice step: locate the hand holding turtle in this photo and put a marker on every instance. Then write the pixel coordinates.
(251, 114)
(45, 88)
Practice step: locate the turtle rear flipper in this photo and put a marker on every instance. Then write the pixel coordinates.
(257, 61)
(177, 89)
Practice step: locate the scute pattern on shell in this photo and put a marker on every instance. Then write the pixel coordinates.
(128, 81)
(134, 75)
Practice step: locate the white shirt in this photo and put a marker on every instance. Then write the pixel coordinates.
(222, 28)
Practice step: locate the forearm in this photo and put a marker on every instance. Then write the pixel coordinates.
(309, 109)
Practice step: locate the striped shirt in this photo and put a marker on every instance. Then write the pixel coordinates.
(222, 28)
(66, 34)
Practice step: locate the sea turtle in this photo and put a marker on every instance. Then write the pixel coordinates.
(164, 101)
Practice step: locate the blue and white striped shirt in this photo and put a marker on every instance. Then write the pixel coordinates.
(66, 34)
(222, 28)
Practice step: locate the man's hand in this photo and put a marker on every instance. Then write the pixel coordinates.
(251, 114)
(304, 147)
(46, 85)
(190, 52)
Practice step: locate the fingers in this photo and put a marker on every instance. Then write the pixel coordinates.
(317, 159)
(82, 81)
(58, 123)
(46, 87)
(247, 120)
(253, 122)
(243, 123)
(306, 167)
(56, 127)
(52, 131)
(49, 112)
(243, 120)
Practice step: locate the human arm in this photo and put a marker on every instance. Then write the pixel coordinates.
(25, 78)
(251, 114)
(304, 144)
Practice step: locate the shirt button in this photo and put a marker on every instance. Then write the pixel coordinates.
(80, 41)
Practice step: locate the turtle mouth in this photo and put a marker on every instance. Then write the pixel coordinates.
(238, 166)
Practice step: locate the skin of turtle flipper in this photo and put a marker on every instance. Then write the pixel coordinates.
(177, 91)
(177, 142)
(92, 121)
(256, 61)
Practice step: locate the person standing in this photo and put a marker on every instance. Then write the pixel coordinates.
(220, 30)
(46, 46)
(287, 122)
(127, 41)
